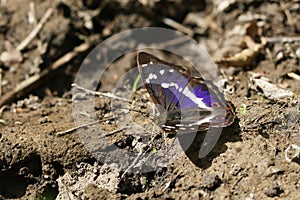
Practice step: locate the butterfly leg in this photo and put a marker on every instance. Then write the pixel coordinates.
(165, 137)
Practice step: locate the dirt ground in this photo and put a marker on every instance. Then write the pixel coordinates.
(256, 45)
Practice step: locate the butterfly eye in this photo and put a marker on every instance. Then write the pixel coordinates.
(215, 105)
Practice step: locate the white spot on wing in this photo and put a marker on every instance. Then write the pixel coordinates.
(162, 71)
(150, 77)
(175, 85)
(165, 85)
(206, 119)
(171, 70)
(169, 127)
(195, 99)
(179, 125)
(144, 65)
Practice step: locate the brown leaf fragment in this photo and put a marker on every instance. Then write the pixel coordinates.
(243, 59)
(252, 29)
(269, 90)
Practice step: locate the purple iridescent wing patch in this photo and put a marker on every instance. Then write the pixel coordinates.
(185, 103)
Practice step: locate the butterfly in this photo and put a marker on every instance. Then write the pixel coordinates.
(185, 103)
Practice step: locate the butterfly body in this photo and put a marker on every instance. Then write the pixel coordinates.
(185, 103)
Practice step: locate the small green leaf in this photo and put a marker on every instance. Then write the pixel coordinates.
(243, 109)
(154, 150)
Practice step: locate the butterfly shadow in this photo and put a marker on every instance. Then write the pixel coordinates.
(229, 134)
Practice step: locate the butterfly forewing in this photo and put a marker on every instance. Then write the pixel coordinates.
(164, 84)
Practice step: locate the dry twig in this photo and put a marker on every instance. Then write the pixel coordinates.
(35, 31)
(178, 26)
(62, 133)
(2, 109)
(294, 76)
(286, 12)
(0, 82)
(109, 95)
(34, 81)
(282, 39)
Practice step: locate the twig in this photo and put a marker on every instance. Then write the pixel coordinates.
(115, 131)
(282, 39)
(31, 14)
(62, 133)
(287, 13)
(34, 81)
(178, 26)
(109, 95)
(173, 42)
(0, 82)
(132, 164)
(75, 128)
(294, 76)
(35, 31)
(269, 55)
(137, 158)
(2, 109)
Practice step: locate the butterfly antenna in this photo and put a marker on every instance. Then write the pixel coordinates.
(136, 110)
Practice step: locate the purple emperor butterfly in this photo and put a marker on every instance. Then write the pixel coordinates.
(185, 103)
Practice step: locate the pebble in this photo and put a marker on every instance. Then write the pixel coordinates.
(210, 181)
(273, 190)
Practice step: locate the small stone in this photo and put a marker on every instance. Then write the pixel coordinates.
(46, 177)
(235, 169)
(210, 181)
(11, 57)
(273, 171)
(44, 120)
(273, 190)
(280, 56)
(292, 153)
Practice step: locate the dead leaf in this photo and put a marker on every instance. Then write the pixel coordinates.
(269, 90)
(252, 29)
(243, 59)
